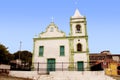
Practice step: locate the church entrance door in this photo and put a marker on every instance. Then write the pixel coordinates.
(51, 65)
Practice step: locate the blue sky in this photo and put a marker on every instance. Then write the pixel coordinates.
(21, 20)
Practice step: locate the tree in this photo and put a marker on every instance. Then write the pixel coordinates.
(25, 56)
(4, 59)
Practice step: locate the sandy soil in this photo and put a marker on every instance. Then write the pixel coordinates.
(5, 77)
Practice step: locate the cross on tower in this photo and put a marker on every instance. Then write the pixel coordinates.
(76, 3)
(52, 19)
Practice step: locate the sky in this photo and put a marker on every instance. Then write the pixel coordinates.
(21, 20)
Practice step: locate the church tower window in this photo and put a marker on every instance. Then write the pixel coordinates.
(78, 28)
(79, 47)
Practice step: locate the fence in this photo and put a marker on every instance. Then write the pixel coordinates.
(61, 66)
(111, 68)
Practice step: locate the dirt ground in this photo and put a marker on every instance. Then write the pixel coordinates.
(116, 77)
(5, 77)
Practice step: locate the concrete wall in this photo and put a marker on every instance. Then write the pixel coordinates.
(65, 75)
(3, 66)
(75, 75)
(24, 74)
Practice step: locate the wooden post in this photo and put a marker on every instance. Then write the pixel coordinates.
(62, 66)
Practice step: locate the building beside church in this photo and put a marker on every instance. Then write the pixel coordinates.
(106, 61)
(54, 50)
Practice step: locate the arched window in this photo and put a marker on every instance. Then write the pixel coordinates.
(79, 47)
(78, 27)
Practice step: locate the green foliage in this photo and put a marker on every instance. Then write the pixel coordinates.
(4, 58)
(25, 56)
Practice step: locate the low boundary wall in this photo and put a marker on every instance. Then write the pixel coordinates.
(63, 75)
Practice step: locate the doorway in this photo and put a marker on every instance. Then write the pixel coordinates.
(50, 65)
(80, 65)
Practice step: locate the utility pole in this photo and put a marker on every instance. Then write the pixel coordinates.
(20, 49)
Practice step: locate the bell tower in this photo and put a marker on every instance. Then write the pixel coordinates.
(78, 41)
(78, 24)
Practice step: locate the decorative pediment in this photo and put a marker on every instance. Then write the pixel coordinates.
(52, 31)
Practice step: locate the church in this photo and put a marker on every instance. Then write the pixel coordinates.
(54, 50)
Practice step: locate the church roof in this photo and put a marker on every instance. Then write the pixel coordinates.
(52, 31)
(77, 14)
(52, 24)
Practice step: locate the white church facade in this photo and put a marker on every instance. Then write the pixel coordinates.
(55, 51)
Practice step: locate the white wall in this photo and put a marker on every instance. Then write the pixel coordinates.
(24, 74)
(51, 50)
(81, 57)
(85, 75)
(63, 75)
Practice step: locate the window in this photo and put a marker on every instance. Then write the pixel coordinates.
(78, 28)
(62, 51)
(41, 50)
(51, 29)
(79, 47)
